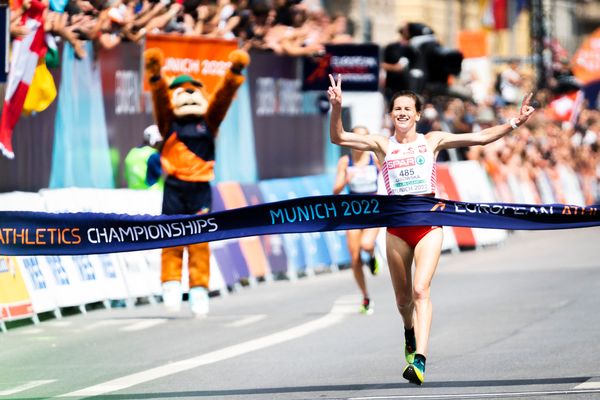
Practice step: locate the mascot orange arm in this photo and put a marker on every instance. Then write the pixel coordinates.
(225, 92)
(163, 110)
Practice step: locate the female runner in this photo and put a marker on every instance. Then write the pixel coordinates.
(408, 167)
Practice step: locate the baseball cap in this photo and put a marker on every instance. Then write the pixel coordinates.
(181, 79)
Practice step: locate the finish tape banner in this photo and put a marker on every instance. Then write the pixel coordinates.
(38, 233)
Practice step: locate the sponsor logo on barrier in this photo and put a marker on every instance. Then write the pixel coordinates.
(58, 271)
(354, 62)
(108, 266)
(85, 268)
(32, 267)
(321, 69)
(355, 68)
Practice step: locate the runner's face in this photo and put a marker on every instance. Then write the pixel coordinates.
(404, 114)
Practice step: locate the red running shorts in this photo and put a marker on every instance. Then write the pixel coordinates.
(412, 235)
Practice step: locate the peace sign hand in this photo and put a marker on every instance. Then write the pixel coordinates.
(526, 109)
(335, 91)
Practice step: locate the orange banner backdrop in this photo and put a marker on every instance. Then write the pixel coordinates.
(473, 44)
(204, 59)
(586, 62)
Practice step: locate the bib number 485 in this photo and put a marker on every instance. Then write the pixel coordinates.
(406, 172)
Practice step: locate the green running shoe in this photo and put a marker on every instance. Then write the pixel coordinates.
(366, 307)
(414, 374)
(373, 265)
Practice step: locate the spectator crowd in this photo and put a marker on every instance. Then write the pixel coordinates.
(299, 28)
(282, 26)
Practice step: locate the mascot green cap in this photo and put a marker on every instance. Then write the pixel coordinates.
(181, 79)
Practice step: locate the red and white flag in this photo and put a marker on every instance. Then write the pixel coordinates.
(566, 107)
(25, 53)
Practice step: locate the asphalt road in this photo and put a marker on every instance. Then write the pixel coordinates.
(515, 321)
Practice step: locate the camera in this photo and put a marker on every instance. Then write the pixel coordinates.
(434, 61)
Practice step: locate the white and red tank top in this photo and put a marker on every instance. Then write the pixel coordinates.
(363, 178)
(409, 168)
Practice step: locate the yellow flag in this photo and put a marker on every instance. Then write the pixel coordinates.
(42, 90)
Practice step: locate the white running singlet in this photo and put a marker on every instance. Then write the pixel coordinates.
(409, 168)
(363, 178)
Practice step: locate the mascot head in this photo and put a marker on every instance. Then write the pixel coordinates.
(188, 97)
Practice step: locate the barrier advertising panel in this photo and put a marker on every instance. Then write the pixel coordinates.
(251, 246)
(288, 135)
(15, 302)
(476, 189)
(272, 244)
(357, 63)
(37, 276)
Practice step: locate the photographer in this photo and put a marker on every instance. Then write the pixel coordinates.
(418, 62)
(398, 57)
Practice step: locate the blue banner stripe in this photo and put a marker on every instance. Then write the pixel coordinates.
(38, 233)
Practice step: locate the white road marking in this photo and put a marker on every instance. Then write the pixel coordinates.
(58, 323)
(32, 331)
(143, 324)
(593, 383)
(134, 324)
(499, 395)
(102, 323)
(25, 386)
(337, 314)
(247, 320)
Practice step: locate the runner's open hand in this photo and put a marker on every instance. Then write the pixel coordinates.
(335, 91)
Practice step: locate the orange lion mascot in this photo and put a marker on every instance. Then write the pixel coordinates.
(188, 119)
